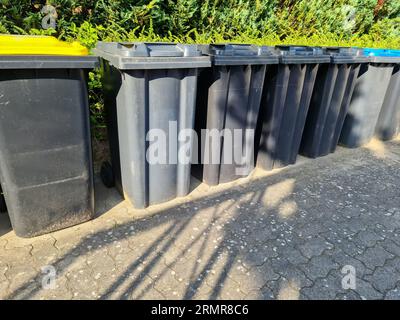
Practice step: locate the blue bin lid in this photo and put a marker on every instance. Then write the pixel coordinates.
(382, 52)
(383, 55)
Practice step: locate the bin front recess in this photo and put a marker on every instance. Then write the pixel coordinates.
(285, 103)
(228, 102)
(45, 150)
(368, 98)
(330, 101)
(388, 125)
(3, 207)
(149, 86)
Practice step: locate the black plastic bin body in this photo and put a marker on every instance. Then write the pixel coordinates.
(228, 101)
(45, 150)
(388, 125)
(330, 101)
(147, 86)
(367, 101)
(286, 99)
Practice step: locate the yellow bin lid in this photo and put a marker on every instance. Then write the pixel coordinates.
(39, 45)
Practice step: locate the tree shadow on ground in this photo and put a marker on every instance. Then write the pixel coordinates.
(244, 238)
(209, 232)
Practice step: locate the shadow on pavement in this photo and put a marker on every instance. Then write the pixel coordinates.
(253, 234)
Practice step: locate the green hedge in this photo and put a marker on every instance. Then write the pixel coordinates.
(364, 23)
(320, 22)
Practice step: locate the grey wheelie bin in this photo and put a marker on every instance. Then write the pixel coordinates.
(150, 89)
(330, 101)
(228, 102)
(388, 125)
(286, 99)
(45, 149)
(368, 99)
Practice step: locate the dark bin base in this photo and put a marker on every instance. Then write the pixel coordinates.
(283, 112)
(330, 101)
(228, 99)
(45, 151)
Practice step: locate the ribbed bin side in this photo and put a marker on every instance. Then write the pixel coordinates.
(366, 103)
(233, 101)
(147, 100)
(329, 103)
(284, 108)
(388, 125)
(112, 80)
(45, 152)
(348, 93)
(270, 115)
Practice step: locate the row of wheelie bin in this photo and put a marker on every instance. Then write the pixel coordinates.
(172, 111)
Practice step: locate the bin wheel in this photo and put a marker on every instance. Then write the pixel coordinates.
(3, 207)
(107, 175)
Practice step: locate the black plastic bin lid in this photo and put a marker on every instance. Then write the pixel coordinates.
(157, 55)
(341, 55)
(240, 54)
(301, 54)
(48, 62)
